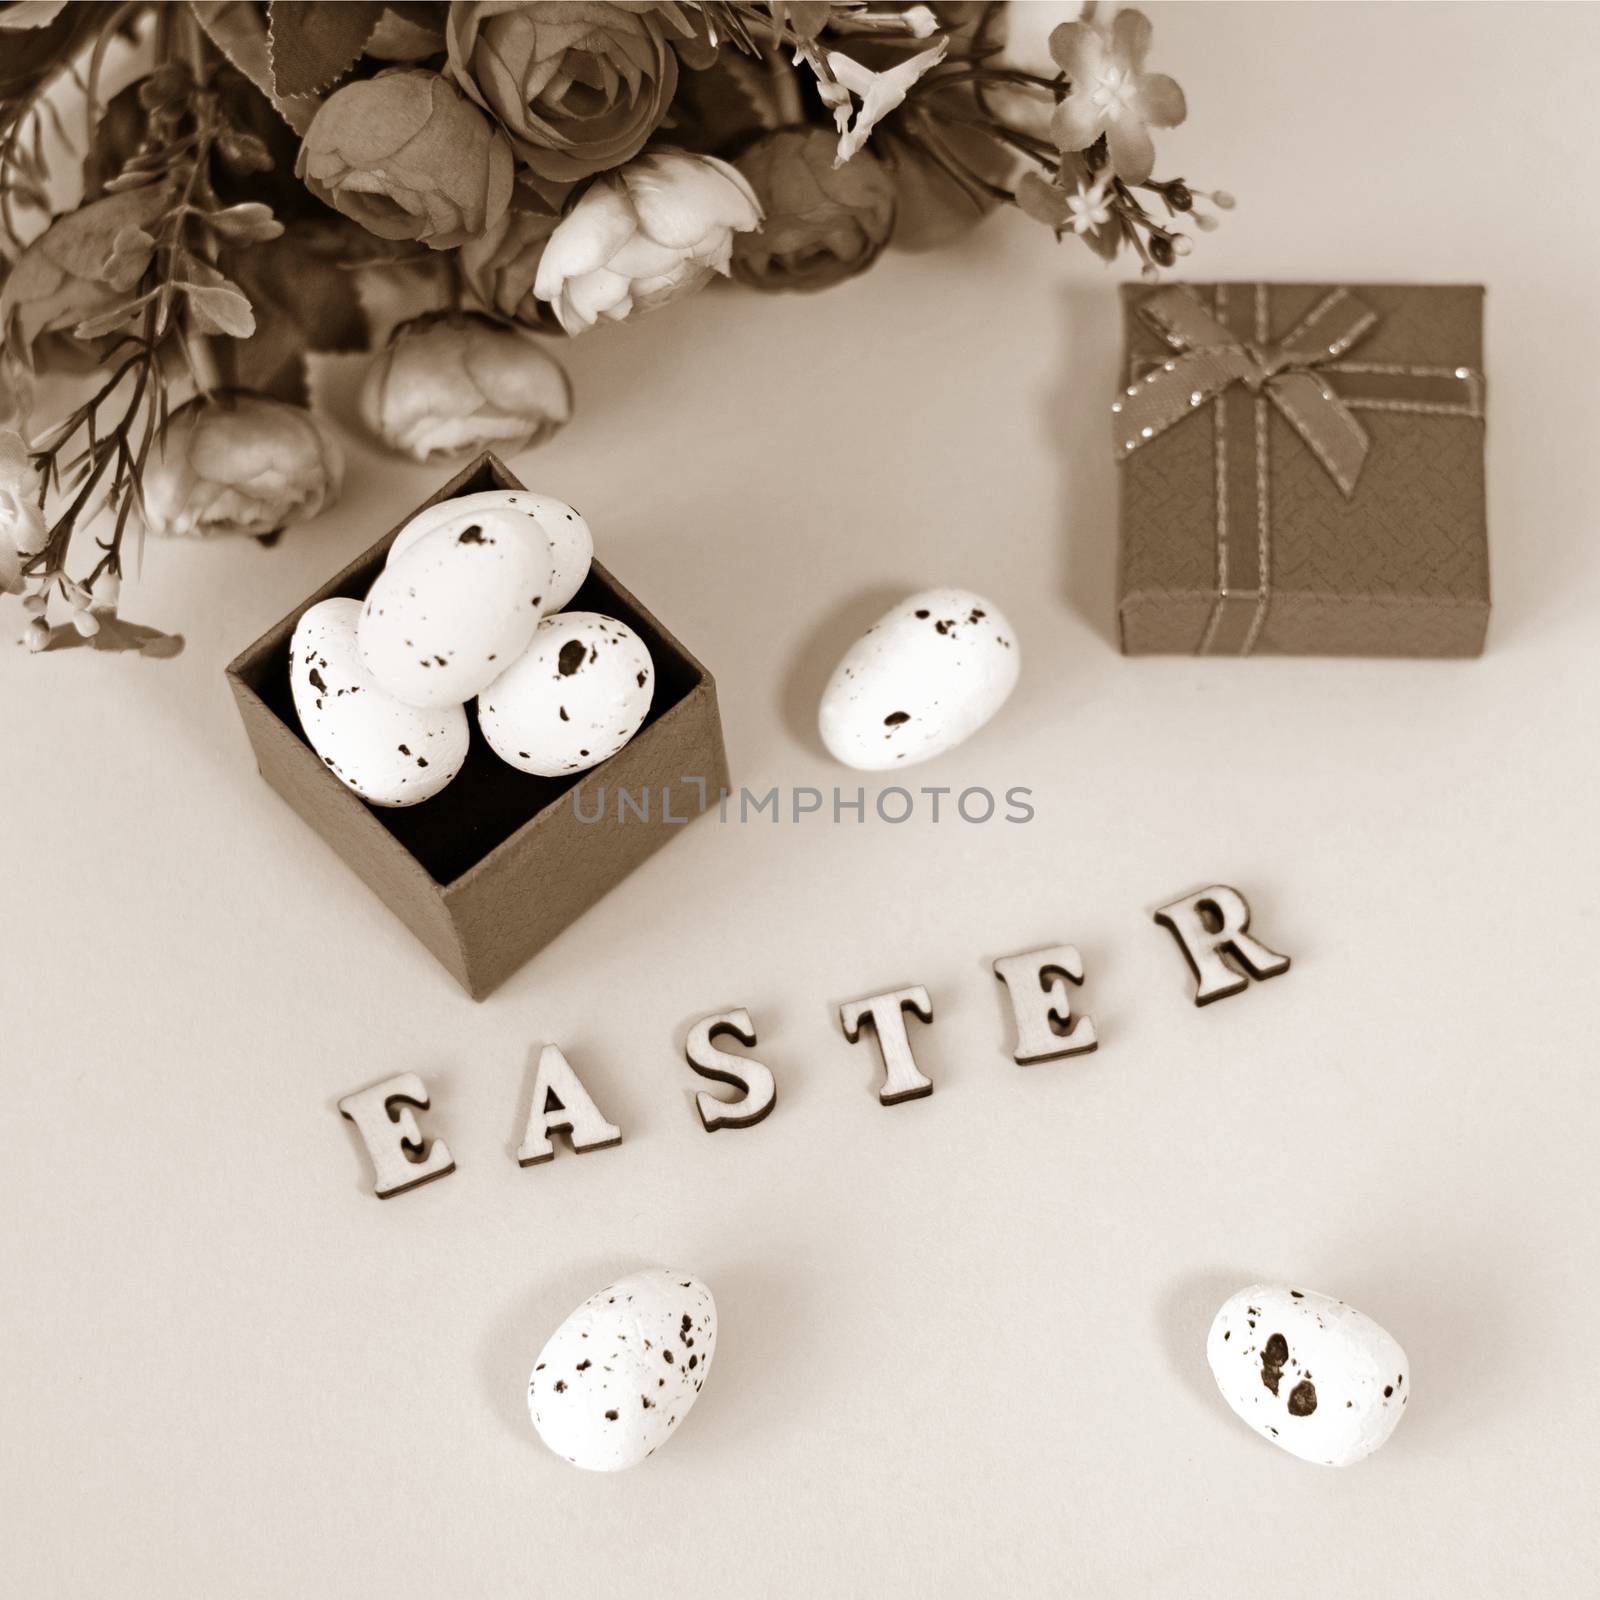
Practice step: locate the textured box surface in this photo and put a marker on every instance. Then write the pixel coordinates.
(495, 866)
(1237, 539)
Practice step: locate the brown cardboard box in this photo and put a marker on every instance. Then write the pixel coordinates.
(495, 866)
(1238, 538)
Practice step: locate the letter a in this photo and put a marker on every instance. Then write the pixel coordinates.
(560, 1104)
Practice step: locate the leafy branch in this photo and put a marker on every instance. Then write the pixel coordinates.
(168, 291)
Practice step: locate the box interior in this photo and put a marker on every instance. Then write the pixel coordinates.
(488, 800)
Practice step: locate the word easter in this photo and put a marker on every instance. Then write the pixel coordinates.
(1210, 927)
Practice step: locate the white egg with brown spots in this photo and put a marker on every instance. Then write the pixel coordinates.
(1309, 1373)
(388, 752)
(447, 617)
(577, 695)
(621, 1373)
(922, 679)
(571, 543)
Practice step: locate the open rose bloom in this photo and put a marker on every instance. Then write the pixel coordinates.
(647, 234)
(578, 87)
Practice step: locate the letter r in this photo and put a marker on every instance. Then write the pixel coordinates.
(1211, 925)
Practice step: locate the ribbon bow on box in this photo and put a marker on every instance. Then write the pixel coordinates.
(1303, 378)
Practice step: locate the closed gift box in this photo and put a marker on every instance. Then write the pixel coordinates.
(1302, 470)
(492, 868)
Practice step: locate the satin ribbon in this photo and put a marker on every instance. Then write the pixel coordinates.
(1212, 359)
(1301, 376)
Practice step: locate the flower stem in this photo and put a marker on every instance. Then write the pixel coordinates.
(1044, 153)
(785, 93)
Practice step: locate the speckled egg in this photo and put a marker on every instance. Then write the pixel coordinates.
(921, 679)
(620, 1374)
(1308, 1372)
(575, 697)
(447, 617)
(571, 543)
(390, 753)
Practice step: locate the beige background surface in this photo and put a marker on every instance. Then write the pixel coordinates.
(962, 1339)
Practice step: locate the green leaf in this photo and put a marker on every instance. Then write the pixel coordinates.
(247, 223)
(236, 29)
(219, 308)
(727, 102)
(313, 46)
(131, 250)
(131, 180)
(1042, 201)
(107, 322)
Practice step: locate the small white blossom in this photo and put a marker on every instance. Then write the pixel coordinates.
(879, 93)
(1090, 207)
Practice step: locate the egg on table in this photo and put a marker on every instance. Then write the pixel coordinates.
(925, 676)
(571, 543)
(578, 693)
(620, 1374)
(1308, 1372)
(388, 752)
(457, 607)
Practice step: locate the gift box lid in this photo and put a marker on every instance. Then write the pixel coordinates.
(1302, 469)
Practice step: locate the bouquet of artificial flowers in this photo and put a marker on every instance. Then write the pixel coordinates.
(262, 173)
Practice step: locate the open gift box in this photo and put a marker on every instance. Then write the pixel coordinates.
(492, 868)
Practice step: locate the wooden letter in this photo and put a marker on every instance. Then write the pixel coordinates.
(401, 1157)
(1047, 1032)
(886, 1013)
(758, 1091)
(1210, 925)
(560, 1104)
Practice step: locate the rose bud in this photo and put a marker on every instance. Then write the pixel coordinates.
(239, 464)
(85, 263)
(652, 232)
(452, 385)
(823, 224)
(408, 157)
(500, 267)
(578, 87)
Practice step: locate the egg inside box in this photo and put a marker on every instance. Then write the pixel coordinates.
(500, 861)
